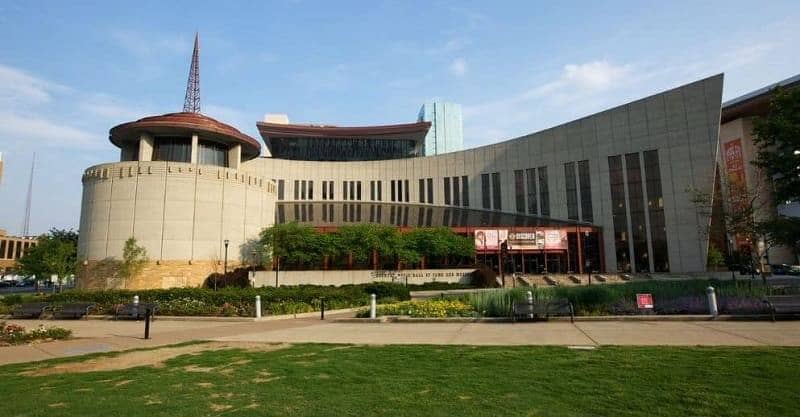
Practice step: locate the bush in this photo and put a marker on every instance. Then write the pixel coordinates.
(230, 301)
(14, 334)
(426, 308)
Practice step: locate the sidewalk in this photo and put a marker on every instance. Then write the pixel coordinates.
(104, 336)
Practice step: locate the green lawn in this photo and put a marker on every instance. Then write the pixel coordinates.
(331, 380)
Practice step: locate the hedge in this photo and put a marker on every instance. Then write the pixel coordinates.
(227, 301)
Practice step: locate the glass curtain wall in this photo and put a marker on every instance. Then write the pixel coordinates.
(212, 153)
(175, 149)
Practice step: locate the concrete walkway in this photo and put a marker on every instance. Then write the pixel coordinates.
(104, 336)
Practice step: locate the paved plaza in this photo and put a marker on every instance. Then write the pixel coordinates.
(105, 336)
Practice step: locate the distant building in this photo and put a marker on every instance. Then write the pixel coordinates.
(446, 133)
(11, 249)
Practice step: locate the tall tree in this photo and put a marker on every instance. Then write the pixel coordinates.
(777, 139)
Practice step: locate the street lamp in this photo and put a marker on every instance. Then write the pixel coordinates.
(254, 267)
(225, 265)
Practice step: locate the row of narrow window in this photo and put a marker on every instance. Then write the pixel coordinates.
(456, 191)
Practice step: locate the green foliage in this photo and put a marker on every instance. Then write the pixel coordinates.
(56, 252)
(496, 303)
(784, 230)
(777, 139)
(715, 257)
(13, 334)
(425, 308)
(299, 246)
(228, 301)
(134, 259)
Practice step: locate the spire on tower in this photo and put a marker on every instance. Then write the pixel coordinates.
(191, 103)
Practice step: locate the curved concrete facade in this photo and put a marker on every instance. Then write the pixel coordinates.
(182, 212)
(681, 124)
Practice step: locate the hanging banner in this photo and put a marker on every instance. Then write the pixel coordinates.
(555, 239)
(490, 239)
(526, 241)
(734, 162)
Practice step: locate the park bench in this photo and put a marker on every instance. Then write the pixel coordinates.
(783, 304)
(600, 278)
(133, 311)
(73, 310)
(574, 279)
(542, 309)
(549, 280)
(31, 310)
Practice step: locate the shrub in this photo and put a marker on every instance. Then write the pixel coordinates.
(14, 334)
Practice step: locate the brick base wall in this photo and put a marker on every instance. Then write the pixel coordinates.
(101, 275)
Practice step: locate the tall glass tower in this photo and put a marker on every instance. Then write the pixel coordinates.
(446, 133)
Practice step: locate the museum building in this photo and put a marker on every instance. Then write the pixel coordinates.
(606, 193)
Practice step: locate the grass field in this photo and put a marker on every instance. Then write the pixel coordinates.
(331, 380)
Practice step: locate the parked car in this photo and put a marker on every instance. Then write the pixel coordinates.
(9, 283)
(785, 269)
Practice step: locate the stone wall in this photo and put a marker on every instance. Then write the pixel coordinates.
(101, 275)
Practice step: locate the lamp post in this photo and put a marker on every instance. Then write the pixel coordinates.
(586, 261)
(254, 268)
(277, 267)
(225, 265)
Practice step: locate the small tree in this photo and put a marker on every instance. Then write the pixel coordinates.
(55, 252)
(134, 259)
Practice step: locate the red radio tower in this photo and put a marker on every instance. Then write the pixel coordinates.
(191, 104)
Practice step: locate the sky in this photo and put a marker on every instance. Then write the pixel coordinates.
(69, 71)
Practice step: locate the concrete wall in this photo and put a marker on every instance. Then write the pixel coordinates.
(682, 124)
(267, 278)
(178, 211)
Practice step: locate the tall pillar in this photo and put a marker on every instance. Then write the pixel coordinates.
(234, 156)
(195, 148)
(145, 147)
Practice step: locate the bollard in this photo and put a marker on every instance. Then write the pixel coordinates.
(712, 302)
(258, 306)
(322, 308)
(136, 307)
(372, 306)
(136, 300)
(147, 323)
(530, 305)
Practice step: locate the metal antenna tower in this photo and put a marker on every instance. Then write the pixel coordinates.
(26, 224)
(191, 103)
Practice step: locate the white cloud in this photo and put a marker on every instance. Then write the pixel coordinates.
(109, 107)
(145, 44)
(458, 67)
(19, 87)
(26, 128)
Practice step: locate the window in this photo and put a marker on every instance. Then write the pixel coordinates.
(429, 189)
(544, 192)
(406, 195)
(421, 190)
(456, 192)
(380, 193)
(296, 189)
(486, 197)
(303, 189)
(519, 190)
(281, 187)
(618, 213)
(173, 149)
(496, 194)
(344, 190)
(465, 191)
(372, 190)
(636, 204)
(392, 190)
(586, 191)
(311, 190)
(358, 191)
(655, 205)
(330, 190)
(212, 153)
(572, 191)
(352, 190)
(530, 175)
(447, 191)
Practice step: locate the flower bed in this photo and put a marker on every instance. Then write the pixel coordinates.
(426, 308)
(13, 334)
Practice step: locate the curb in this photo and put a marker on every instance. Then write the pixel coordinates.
(642, 318)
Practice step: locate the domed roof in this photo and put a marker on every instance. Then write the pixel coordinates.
(185, 123)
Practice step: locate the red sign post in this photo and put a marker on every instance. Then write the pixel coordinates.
(644, 300)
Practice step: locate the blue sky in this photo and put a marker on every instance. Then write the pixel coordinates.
(69, 71)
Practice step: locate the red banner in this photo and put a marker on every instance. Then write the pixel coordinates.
(734, 161)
